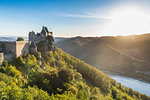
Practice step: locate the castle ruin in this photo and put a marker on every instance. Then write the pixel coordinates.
(1, 58)
(36, 38)
(41, 42)
(12, 49)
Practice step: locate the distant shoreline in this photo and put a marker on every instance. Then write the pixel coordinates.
(125, 75)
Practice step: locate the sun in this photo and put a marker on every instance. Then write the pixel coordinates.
(128, 21)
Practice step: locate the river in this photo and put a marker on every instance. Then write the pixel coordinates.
(135, 84)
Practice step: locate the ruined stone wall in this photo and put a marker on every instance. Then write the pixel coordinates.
(36, 38)
(9, 49)
(31, 36)
(22, 47)
(14, 49)
(1, 58)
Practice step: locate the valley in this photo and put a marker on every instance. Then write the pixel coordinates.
(125, 55)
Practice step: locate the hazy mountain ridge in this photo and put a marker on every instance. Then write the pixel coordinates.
(10, 38)
(123, 54)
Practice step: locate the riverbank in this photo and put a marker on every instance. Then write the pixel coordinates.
(138, 76)
(136, 85)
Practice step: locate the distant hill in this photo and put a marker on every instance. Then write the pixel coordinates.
(127, 55)
(60, 39)
(9, 38)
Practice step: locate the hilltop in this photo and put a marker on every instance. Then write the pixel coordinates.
(52, 74)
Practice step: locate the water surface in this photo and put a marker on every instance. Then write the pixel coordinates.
(135, 84)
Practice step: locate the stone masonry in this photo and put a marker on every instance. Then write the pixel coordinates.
(12, 49)
(1, 58)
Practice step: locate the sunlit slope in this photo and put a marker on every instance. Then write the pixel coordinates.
(129, 54)
(73, 44)
(62, 77)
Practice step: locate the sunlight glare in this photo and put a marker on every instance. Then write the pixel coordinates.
(128, 21)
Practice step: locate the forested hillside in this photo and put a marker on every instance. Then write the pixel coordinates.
(59, 76)
(128, 55)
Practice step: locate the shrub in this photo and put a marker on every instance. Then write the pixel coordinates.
(20, 39)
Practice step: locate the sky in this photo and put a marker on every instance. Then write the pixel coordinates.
(69, 18)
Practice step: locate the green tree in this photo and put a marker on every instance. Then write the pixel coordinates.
(20, 39)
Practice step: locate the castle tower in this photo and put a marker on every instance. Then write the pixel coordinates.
(31, 36)
(44, 31)
(39, 36)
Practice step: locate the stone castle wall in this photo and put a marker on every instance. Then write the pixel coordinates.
(22, 47)
(9, 49)
(1, 58)
(14, 49)
(35, 37)
(18, 48)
